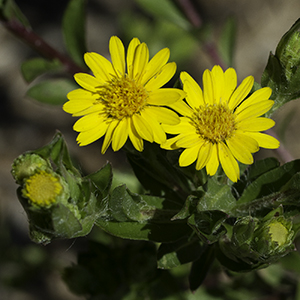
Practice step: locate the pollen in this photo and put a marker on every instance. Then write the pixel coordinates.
(42, 189)
(123, 97)
(214, 123)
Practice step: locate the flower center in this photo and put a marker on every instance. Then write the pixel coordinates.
(214, 123)
(123, 97)
(42, 188)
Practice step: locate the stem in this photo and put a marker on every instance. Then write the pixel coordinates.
(39, 45)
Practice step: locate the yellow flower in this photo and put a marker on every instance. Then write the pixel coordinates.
(219, 125)
(121, 104)
(42, 189)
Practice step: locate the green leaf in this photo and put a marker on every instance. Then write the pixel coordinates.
(269, 182)
(165, 10)
(171, 255)
(156, 232)
(217, 197)
(208, 225)
(11, 12)
(35, 67)
(52, 91)
(74, 30)
(227, 41)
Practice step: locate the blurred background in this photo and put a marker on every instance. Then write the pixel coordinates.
(29, 271)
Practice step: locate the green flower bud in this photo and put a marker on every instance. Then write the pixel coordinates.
(26, 165)
(257, 243)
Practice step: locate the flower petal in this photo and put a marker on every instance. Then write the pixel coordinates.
(162, 77)
(188, 140)
(163, 115)
(130, 55)
(254, 110)
(264, 140)
(155, 64)
(194, 94)
(203, 155)
(141, 58)
(218, 83)
(109, 134)
(165, 96)
(120, 134)
(88, 122)
(159, 135)
(90, 136)
(256, 124)
(87, 81)
(241, 92)
(183, 127)
(182, 108)
(142, 127)
(136, 140)
(208, 89)
(170, 144)
(100, 66)
(228, 162)
(230, 82)
(213, 162)
(188, 156)
(117, 53)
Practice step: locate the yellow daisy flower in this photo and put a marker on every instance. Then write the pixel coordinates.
(121, 104)
(218, 125)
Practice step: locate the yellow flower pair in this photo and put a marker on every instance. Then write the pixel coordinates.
(215, 125)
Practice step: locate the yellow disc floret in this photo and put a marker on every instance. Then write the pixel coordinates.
(214, 123)
(42, 189)
(123, 97)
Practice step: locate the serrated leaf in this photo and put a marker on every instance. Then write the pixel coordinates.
(166, 10)
(52, 91)
(74, 30)
(35, 67)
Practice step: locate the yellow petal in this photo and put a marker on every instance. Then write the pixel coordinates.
(88, 122)
(81, 94)
(136, 140)
(264, 140)
(108, 135)
(155, 64)
(228, 162)
(90, 136)
(194, 94)
(188, 156)
(203, 155)
(95, 108)
(241, 92)
(218, 83)
(254, 110)
(257, 97)
(100, 66)
(159, 136)
(140, 60)
(230, 82)
(87, 81)
(165, 96)
(213, 162)
(162, 77)
(117, 53)
(163, 115)
(120, 134)
(142, 128)
(170, 144)
(239, 149)
(183, 127)
(182, 108)
(188, 140)
(130, 55)
(208, 89)
(256, 124)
